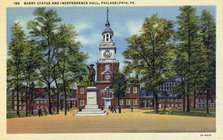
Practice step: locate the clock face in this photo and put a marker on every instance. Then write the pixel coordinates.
(107, 76)
(107, 54)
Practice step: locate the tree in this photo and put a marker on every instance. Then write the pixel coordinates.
(69, 58)
(208, 30)
(42, 30)
(118, 85)
(189, 47)
(152, 52)
(29, 70)
(15, 60)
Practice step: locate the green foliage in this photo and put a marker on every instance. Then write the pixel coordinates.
(195, 50)
(208, 32)
(69, 60)
(150, 53)
(16, 51)
(118, 85)
(15, 63)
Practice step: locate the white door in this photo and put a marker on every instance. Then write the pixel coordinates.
(107, 104)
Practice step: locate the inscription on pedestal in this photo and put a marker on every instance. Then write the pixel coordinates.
(91, 98)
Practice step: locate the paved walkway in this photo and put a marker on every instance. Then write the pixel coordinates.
(126, 122)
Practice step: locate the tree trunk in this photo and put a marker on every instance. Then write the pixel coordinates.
(188, 102)
(58, 95)
(184, 98)
(118, 100)
(65, 97)
(32, 112)
(194, 106)
(26, 98)
(57, 102)
(17, 93)
(147, 104)
(207, 108)
(156, 104)
(49, 99)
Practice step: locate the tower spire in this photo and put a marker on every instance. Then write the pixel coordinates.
(107, 21)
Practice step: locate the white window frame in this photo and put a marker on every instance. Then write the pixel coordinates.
(82, 102)
(128, 102)
(82, 90)
(134, 102)
(134, 90)
(121, 101)
(128, 90)
(107, 67)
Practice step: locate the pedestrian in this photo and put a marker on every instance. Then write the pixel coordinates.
(71, 104)
(131, 108)
(119, 109)
(61, 107)
(114, 109)
(67, 107)
(39, 111)
(45, 110)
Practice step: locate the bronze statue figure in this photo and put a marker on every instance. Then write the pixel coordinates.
(91, 74)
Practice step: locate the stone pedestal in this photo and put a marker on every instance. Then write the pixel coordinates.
(91, 108)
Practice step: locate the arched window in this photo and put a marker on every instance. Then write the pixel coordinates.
(107, 91)
(107, 37)
(107, 67)
(103, 37)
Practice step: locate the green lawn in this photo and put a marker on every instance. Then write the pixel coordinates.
(194, 112)
(12, 114)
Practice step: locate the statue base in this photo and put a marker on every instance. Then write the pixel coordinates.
(91, 108)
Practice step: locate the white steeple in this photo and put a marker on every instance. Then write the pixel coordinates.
(107, 47)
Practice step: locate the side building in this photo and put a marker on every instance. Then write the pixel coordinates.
(39, 98)
(167, 96)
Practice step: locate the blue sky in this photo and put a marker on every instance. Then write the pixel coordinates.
(90, 23)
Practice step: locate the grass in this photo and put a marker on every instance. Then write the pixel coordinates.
(12, 114)
(194, 112)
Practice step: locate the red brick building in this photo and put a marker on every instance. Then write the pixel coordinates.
(172, 100)
(40, 99)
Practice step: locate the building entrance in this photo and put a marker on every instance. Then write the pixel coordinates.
(107, 103)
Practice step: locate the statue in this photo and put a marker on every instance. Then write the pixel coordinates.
(91, 74)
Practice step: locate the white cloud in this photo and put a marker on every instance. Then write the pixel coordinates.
(23, 20)
(134, 27)
(89, 39)
(82, 26)
(129, 27)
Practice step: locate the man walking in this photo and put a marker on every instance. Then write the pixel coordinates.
(39, 111)
(119, 109)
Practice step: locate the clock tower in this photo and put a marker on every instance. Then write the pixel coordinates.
(107, 63)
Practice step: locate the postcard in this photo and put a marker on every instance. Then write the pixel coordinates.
(90, 69)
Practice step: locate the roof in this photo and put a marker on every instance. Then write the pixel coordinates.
(108, 29)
